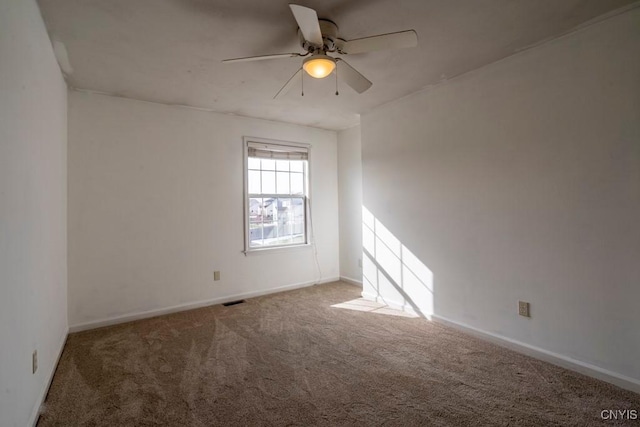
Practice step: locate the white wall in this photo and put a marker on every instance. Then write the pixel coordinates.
(521, 181)
(156, 205)
(33, 203)
(350, 194)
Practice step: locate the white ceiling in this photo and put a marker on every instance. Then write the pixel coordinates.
(169, 51)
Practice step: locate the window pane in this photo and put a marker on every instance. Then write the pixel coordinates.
(298, 228)
(285, 216)
(270, 209)
(268, 182)
(297, 183)
(255, 222)
(297, 165)
(298, 239)
(298, 218)
(276, 221)
(254, 163)
(268, 164)
(282, 165)
(270, 218)
(254, 182)
(298, 209)
(282, 184)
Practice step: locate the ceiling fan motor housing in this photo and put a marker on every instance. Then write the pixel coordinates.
(329, 30)
(319, 38)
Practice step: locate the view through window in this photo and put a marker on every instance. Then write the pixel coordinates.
(276, 194)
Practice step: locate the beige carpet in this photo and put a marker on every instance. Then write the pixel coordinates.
(292, 359)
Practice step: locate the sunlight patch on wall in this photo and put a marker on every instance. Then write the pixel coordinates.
(392, 274)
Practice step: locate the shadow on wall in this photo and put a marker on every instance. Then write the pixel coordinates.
(391, 273)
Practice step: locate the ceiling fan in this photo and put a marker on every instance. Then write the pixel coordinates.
(319, 37)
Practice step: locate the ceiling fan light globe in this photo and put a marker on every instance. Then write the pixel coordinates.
(319, 66)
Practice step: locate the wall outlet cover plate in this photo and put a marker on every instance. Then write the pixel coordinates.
(523, 308)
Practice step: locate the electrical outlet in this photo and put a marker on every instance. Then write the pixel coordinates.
(523, 309)
(360, 262)
(34, 361)
(216, 275)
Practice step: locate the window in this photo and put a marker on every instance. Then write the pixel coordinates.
(276, 193)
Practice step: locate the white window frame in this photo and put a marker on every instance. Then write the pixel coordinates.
(307, 195)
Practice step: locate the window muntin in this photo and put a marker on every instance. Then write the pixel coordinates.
(276, 194)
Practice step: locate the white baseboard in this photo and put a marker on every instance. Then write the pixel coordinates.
(191, 305)
(584, 368)
(351, 281)
(329, 280)
(35, 414)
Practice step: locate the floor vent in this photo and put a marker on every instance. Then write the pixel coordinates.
(227, 304)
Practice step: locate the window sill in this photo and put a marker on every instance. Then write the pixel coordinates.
(277, 249)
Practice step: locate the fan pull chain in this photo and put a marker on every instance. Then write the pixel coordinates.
(337, 93)
(302, 79)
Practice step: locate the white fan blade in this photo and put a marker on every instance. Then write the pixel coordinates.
(353, 78)
(398, 40)
(262, 57)
(307, 20)
(289, 84)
